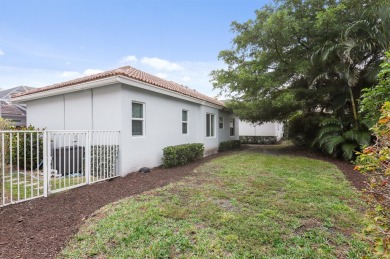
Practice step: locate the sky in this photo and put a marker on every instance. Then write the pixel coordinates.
(43, 42)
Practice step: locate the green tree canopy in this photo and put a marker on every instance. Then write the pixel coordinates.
(304, 56)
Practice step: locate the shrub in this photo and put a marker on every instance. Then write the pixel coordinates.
(375, 162)
(228, 145)
(104, 160)
(25, 148)
(267, 140)
(182, 154)
(302, 128)
(5, 124)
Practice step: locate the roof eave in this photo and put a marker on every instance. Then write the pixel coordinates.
(108, 81)
(153, 88)
(64, 90)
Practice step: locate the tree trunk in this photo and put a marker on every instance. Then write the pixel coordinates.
(355, 116)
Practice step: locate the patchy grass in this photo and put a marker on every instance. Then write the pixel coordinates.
(242, 205)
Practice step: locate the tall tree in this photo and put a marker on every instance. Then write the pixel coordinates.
(272, 74)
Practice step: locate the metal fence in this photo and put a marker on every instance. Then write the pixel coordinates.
(37, 163)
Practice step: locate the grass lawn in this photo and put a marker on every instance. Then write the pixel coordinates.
(243, 205)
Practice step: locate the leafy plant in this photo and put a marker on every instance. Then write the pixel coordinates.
(5, 124)
(25, 149)
(104, 160)
(229, 145)
(336, 139)
(302, 128)
(373, 98)
(374, 161)
(182, 154)
(258, 140)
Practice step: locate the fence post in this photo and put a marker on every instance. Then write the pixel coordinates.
(88, 157)
(45, 165)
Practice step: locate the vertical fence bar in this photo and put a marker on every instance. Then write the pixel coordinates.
(88, 157)
(17, 163)
(45, 165)
(10, 170)
(3, 168)
(38, 163)
(49, 167)
(25, 165)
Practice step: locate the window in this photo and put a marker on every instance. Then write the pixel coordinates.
(184, 122)
(232, 127)
(220, 122)
(137, 123)
(210, 132)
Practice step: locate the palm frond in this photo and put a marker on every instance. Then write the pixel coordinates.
(349, 150)
(362, 138)
(330, 121)
(331, 143)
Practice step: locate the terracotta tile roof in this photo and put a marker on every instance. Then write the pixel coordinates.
(9, 109)
(132, 73)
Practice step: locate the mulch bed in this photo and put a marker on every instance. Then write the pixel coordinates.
(40, 228)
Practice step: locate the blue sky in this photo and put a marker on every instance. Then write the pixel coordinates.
(45, 42)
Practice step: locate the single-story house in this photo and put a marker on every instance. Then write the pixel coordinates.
(151, 113)
(268, 129)
(14, 113)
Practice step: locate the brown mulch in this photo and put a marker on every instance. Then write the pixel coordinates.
(40, 228)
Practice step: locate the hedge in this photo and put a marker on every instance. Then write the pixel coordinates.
(181, 154)
(228, 145)
(258, 140)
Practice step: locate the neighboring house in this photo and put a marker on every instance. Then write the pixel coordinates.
(268, 129)
(151, 113)
(15, 113)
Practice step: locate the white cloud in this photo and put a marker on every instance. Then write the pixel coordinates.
(1, 53)
(90, 71)
(162, 75)
(161, 64)
(128, 59)
(186, 79)
(70, 74)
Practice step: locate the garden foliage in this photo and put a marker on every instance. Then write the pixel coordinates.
(229, 145)
(182, 154)
(266, 140)
(374, 161)
(104, 159)
(25, 148)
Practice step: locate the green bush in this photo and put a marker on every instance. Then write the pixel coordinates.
(228, 145)
(302, 128)
(258, 140)
(104, 160)
(27, 147)
(181, 154)
(374, 161)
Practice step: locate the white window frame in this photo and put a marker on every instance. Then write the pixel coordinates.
(186, 122)
(212, 127)
(234, 127)
(138, 119)
(219, 122)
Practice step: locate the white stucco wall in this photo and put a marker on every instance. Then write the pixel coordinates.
(98, 109)
(46, 113)
(265, 129)
(163, 120)
(224, 134)
(109, 108)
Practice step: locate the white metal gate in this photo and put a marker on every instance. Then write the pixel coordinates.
(37, 163)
